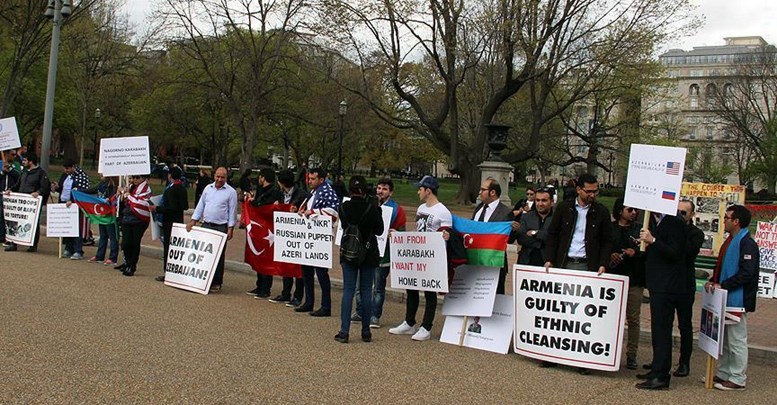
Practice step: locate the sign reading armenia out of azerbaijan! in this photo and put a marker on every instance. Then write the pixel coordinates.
(654, 178)
(193, 257)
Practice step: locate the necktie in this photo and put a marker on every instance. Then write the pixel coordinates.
(482, 217)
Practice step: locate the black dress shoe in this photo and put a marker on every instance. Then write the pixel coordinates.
(645, 376)
(682, 370)
(341, 337)
(10, 248)
(367, 337)
(653, 384)
(129, 272)
(120, 267)
(303, 308)
(32, 249)
(321, 312)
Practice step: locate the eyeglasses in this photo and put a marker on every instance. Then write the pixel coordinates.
(591, 191)
(682, 212)
(483, 189)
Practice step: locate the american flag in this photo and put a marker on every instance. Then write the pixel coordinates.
(673, 168)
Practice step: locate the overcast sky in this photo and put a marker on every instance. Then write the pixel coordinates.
(723, 18)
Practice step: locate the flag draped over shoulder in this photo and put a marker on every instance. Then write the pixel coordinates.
(98, 210)
(486, 242)
(260, 236)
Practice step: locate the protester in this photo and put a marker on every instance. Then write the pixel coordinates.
(737, 272)
(580, 235)
(363, 213)
(246, 184)
(687, 210)
(267, 193)
(339, 187)
(135, 217)
(666, 281)
(8, 178)
(217, 210)
(570, 190)
(35, 182)
(174, 202)
(526, 204)
(431, 216)
(73, 178)
(202, 181)
(533, 231)
(296, 196)
(491, 209)
(627, 260)
(323, 201)
(384, 191)
(106, 189)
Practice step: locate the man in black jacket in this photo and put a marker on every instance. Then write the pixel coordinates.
(533, 230)
(491, 209)
(667, 282)
(35, 182)
(687, 210)
(174, 202)
(267, 193)
(8, 177)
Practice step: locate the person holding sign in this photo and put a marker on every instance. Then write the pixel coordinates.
(266, 193)
(33, 181)
(737, 272)
(580, 235)
(491, 209)
(295, 196)
(217, 210)
(431, 216)
(135, 218)
(8, 178)
(174, 202)
(362, 221)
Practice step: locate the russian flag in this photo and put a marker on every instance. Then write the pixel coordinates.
(99, 210)
(486, 242)
(668, 195)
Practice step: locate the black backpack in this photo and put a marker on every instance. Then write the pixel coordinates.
(353, 247)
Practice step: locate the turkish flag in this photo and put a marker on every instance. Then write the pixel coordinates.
(260, 238)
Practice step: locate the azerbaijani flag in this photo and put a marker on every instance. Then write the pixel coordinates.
(486, 242)
(98, 210)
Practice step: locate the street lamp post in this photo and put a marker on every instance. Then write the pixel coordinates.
(97, 114)
(57, 10)
(341, 114)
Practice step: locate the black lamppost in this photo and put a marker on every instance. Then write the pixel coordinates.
(609, 183)
(97, 114)
(341, 115)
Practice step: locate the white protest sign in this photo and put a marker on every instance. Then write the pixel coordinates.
(124, 156)
(472, 291)
(766, 280)
(339, 231)
(713, 306)
(301, 240)
(193, 257)
(655, 177)
(570, 317)
(484, 333)
(156, 227)
(21, 213)
(419, 261)
(61, 221)
(766, 238)
(9, 134)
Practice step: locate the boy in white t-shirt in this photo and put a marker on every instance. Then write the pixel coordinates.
(432, 216)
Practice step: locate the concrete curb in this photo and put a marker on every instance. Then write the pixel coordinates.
(757, 354)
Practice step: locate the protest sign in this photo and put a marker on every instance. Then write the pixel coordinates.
(21, 213)
(156, 227)
(711, 201)
(766, 238)
(570, 317)
(713, 307)
(303, 240)
(472, 291)
(9, 134)
(654, 178)
(419, 261)
(484, 333)
(124, 156)
(61, 221)
(766, 280)
(193, 257)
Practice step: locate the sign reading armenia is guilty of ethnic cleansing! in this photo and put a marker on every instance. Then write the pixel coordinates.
(419, 261)
(21, 213)
(303, 240)
(570, 317)
(124, 156)
(193, 257)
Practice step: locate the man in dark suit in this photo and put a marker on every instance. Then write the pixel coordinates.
(174, 202)
(666, 280)
(534, 229)
(491, 209)
(687, 210)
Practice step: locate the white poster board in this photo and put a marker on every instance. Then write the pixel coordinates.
(21, 213)
(472, 291)
(125, 156)
(655, 177)
(570, 317)
(303, 240)
(766, 284)
(156, 227)
(9, 134)
(713, 306)
(419, 261)
(62, 221)
(484, 333)
(193, 257)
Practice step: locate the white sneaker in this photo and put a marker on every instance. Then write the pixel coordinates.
(403, 329)
(76, 256)
(422, 335)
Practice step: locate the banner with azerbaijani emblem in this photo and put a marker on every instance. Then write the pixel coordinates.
(486, 242)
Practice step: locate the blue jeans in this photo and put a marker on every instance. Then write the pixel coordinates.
(365, 275)
(323, 280)
(74, 245)
(108, 232)
(378, 293)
